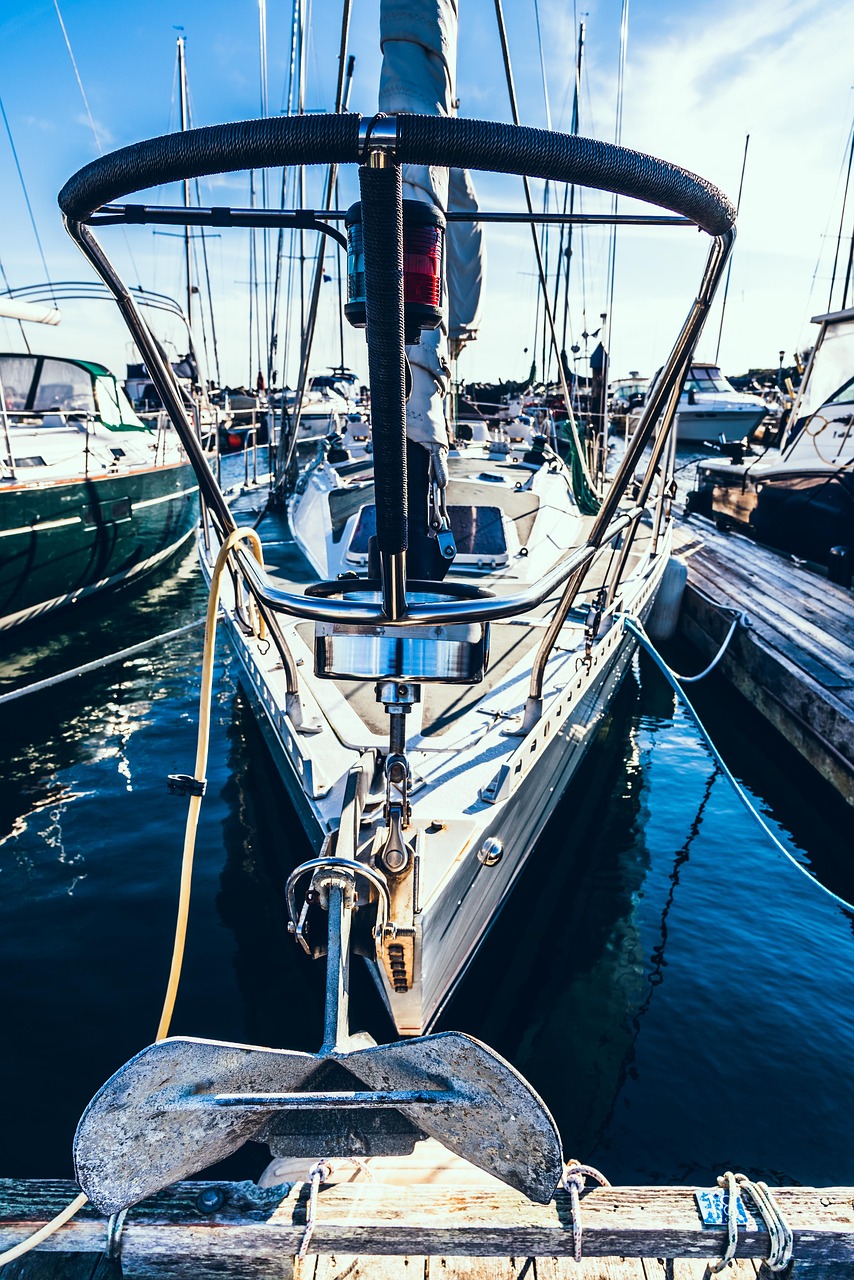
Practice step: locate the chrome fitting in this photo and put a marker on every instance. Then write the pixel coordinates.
(377, 133)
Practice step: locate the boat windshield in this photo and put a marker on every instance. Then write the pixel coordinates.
(706, 378)
(830, 380)
(113, 405)
(35, 384)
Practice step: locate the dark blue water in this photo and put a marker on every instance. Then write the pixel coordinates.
(679, 994)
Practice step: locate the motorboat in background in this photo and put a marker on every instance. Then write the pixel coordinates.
(626, 394)
(798, 497)
(90, 497)
(710, 409)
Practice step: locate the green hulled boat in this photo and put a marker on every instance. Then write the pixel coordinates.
(90, 497)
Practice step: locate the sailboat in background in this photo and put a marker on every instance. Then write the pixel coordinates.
(90, 498)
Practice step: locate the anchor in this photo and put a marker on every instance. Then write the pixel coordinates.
(183, 1104)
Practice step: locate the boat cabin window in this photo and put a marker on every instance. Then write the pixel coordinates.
(65, 387)
(830, 380)
(16, 375)
(478, 533)
(706, 378)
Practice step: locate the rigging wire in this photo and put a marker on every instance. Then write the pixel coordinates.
(618, 136)
(95, 134)
(342, 93)
(842, 213)
(26, 196)
(729, 265)
(849, 139)
(286, 107)
(20, 322)
(514, 110)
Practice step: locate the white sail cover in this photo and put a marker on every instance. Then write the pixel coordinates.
(419, 46)
(36, 312)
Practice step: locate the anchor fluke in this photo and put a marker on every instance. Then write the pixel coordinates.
(183, 1104)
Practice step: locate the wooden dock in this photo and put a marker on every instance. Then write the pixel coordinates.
(221, 1229)
(795, 660)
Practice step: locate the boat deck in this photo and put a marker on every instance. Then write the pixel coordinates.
(795, 660)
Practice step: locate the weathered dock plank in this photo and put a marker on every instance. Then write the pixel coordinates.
(629, 1232)
(795, 663)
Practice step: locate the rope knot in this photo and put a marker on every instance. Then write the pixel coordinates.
(318, 1173)
(573, 1180)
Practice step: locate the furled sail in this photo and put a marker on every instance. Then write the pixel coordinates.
(419, 46)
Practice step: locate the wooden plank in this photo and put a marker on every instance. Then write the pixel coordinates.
(778, 607)
(169, 1236)
(813, 719)
(783, 614)
(764, 576)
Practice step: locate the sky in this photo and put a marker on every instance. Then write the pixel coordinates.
(700, 80)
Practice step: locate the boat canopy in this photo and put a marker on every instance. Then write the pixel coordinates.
(45, 384)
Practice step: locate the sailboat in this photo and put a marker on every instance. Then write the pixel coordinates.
(429, 635)
(90, 497)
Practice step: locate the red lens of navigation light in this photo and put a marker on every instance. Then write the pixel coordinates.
(422, 266)
(423, 251)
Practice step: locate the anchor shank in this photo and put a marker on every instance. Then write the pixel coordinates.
(336, 1022)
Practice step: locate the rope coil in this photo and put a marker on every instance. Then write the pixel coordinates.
(573, 1181)
(779, 1231)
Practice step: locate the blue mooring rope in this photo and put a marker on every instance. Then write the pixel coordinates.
(636, 629)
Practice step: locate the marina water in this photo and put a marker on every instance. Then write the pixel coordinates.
(677, 992)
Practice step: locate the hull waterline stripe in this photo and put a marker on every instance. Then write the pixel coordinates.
(166, 497)
(37, 528)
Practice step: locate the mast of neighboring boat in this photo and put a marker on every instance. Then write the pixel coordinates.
(182, 101)
(342, 97)
(564, 258)
(729, 266)
(514, 112)
(839, 234)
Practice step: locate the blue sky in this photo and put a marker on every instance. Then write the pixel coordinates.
(698, 80)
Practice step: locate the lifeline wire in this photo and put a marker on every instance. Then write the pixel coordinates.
(636, 628)
(237, 535)
(119, 656)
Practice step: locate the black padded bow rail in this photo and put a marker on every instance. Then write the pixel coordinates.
(438, 140)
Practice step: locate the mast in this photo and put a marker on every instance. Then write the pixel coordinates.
(182, 92)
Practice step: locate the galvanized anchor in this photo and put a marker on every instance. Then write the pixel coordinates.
(182, 1104)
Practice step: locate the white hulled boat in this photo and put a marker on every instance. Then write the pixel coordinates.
(430, 638)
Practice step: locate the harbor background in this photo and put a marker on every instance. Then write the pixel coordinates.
(678, 993)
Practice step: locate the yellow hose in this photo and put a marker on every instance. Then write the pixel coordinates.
(237, 535)
(234, 537)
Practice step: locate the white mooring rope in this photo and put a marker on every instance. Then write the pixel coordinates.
(779, 1231)
(636, 628)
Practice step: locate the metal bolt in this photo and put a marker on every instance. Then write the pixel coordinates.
(490, 852)
(210, 1199)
